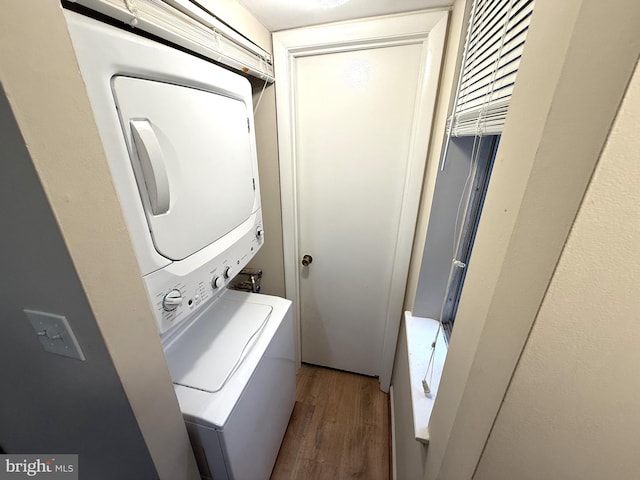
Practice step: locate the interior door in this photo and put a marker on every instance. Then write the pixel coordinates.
(355, 103)
(354, 116)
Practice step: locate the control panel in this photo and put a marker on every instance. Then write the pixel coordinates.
(178, 290)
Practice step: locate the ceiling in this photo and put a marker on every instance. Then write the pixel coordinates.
(284, 14)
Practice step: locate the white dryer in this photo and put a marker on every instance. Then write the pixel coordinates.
(178, 134)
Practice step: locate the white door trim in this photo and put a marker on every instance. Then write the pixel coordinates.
(427, 28)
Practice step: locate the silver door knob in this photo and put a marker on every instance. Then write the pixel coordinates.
(306, 260)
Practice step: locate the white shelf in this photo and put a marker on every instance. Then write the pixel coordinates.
(420, 334)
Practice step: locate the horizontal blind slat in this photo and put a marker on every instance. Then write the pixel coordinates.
(489, 48)
(511, 52)
(495, 43)
(487, 31)
(485, 91)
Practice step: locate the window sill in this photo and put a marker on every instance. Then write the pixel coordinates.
(420, 334)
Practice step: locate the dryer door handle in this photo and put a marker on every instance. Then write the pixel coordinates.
(154, 169)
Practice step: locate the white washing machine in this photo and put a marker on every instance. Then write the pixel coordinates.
(233, 368)
(236, 392)
(178, 134)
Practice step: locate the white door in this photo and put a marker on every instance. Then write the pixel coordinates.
(354, 112)
(354, 124)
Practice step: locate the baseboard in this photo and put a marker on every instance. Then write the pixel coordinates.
(394, 474)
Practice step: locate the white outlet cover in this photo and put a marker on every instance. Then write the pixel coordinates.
(55, 334)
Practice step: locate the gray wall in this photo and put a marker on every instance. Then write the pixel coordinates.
(50, 403)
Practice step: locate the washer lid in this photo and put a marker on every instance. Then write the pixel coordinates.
(212, 348)
(191, 151)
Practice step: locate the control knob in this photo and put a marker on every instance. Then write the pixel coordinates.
(228, 272)
(259, 232)
(172, 300)
(217, 282)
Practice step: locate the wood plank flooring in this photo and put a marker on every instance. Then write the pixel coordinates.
(339, 429)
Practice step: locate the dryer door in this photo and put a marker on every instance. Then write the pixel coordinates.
(192, 156)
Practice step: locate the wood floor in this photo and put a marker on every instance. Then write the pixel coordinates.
(339, 429)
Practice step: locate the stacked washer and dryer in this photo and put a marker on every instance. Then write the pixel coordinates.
(178, 133)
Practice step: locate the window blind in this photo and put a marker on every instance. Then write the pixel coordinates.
(183, 23)
(494, 45)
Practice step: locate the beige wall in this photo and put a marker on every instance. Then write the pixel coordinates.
(410, 454)
(569, 87)
(44, 89)
(270, 258)
(238, 17)
(51, 403)
(451, 60)
(572, 410)
(122, 396)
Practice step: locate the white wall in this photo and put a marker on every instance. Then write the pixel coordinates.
(572, 410)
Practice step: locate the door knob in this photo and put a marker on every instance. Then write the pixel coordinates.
(306, 260)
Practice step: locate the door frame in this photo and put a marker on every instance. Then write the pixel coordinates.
(427, 28)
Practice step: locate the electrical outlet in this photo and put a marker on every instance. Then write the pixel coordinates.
(55, 334)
